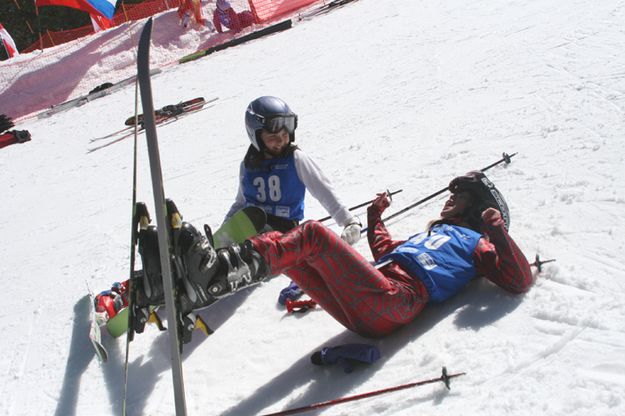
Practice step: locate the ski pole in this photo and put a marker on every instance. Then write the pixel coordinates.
(362, 205)
(444, 378)
(505, 158)
(539, 263)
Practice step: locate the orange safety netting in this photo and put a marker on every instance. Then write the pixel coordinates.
(124, 14)
(265, 10)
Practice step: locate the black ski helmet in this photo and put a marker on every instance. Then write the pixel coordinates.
(271, 114)
(485, 195)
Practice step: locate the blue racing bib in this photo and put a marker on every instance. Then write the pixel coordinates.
(276, 188)
(443, 260)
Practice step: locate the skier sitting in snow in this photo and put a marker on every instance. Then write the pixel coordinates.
(470, 239)
(275, 174)
(224, 15)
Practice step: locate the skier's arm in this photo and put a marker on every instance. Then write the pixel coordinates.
(321, 189)
(235, 22)
(239, 201)
(379, 238)
(216, 22)
(499, 259)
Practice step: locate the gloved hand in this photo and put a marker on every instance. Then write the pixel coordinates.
(351, 232)
(346, 355)
(291, 292)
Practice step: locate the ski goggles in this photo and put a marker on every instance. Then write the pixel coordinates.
(273, 124)
(277, 123)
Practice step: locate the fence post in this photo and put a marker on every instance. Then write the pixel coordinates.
(50, 37)
(125, 14)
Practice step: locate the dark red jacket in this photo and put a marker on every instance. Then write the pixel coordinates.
(233, 18)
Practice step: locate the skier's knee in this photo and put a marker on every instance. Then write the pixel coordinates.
(314, 232)
(313, 228)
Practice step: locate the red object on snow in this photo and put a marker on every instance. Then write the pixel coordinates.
(8, 42)
(299, 306)
(14, 136)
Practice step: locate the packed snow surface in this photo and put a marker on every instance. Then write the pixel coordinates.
(390, 95)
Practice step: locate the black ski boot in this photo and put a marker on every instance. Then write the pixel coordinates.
(151, 293)
(202, 275)
(194, 264)
(198, 264)
(148, 285)
(240, 265)
(208, 275)
(147, 288)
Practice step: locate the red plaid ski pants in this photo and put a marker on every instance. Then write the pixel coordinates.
(366, 300)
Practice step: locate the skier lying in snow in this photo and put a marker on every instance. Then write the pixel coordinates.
(470, 239)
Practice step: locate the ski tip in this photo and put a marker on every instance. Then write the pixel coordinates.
(146, 34)
(257, 216)
(148, 26)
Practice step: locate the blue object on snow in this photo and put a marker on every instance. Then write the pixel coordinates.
(291, 292)
(346, 355)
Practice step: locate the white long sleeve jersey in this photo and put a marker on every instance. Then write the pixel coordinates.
(315, 182)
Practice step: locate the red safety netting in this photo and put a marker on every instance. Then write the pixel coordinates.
(124, 14)
(266, 10)
(263, 10)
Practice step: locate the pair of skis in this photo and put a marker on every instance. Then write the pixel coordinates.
(168, 223)
(163, 116)
(323, 9)
(76, 102)
(110, 307)
(149, 122)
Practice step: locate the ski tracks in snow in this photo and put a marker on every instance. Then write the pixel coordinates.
(19, 358)
(560, 331)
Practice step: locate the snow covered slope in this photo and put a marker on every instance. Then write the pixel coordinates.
(390, 94)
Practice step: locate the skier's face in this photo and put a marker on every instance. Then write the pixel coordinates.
(456, 204)
(275, 143)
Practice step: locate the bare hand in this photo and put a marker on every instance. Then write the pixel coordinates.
(492, 217)
(381, 202)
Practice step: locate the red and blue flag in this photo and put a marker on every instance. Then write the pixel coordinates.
(7, 42)
(104, 8)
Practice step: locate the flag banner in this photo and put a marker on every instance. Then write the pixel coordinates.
(100, 23)
(105, 8)
(8, 42)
